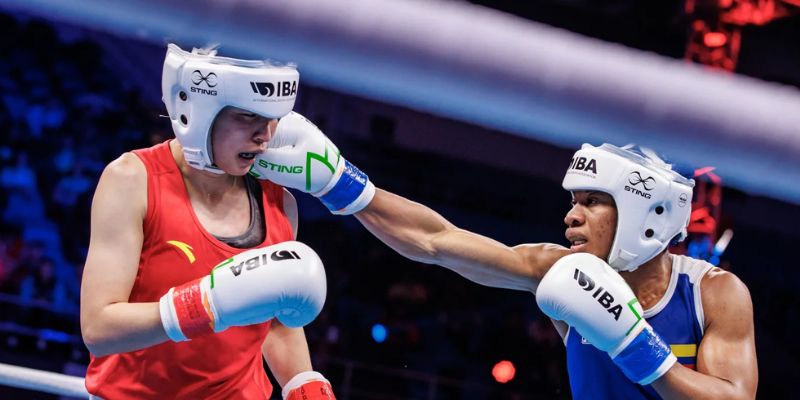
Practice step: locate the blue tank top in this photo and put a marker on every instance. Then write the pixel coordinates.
(677, 318)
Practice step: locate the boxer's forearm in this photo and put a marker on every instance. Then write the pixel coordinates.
(286, 352)
(407, 227)
(419, 233)
(123, 327)
(684, 383)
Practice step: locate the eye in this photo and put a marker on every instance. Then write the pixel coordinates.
(592, 200)
(248, 115)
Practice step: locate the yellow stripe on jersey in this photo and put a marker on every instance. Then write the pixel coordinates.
(684, 350)
(185, 248)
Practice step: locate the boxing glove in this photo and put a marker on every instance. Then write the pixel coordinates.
(301, 157)
(284, 281)
(586, 293)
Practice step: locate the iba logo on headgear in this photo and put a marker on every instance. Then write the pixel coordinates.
(278, 89)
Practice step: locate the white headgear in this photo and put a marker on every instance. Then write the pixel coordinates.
(654, 202)
(196, 86)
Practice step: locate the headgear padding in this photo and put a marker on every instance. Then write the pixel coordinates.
(196, 86)
(653, 201)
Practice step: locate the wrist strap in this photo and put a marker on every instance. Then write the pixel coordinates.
(184, 311)
(309, 385)
(646, 358)
(351, 193)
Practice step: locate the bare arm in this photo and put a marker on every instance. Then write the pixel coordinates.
(286, 352)
(109, 323)
(726, 358)
(419, 233)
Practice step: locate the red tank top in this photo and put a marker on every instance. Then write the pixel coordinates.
(177, 249)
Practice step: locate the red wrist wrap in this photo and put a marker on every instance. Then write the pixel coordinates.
(193, 316)
(313, 390)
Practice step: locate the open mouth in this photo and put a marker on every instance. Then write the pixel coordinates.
(247, 156)
(578, 242)
(578, 246)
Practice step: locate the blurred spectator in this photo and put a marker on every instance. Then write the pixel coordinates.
(69, 189)
(24, 207)
(47, 113)
(20, 176)
(30, 258)
(65, 158)
(7, 263)
(40, 283)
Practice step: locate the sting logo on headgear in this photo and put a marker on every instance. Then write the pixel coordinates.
(635, 178)
(278, 89)
(210, 80)
(604, 298)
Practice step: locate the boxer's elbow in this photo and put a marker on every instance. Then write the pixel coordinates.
(97, 336)
(94, 340)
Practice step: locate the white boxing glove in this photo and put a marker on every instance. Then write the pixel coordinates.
(284, 281)
(301, 157)
(586, 293)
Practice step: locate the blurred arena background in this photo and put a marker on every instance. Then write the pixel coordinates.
(445, 121)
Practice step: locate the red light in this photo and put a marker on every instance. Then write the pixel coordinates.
(715, 39)
(504, 371)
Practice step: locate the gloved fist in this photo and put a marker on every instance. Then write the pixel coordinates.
(586, 293)
(284, 281)
(301, 157)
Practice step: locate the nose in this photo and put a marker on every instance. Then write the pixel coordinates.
(265, 131)
(574, 216)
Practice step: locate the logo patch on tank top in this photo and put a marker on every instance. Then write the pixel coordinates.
(185, 248)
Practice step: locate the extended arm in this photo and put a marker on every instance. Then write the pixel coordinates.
(421, 234)
(301, 157)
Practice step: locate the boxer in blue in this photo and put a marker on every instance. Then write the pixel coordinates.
(637, 321)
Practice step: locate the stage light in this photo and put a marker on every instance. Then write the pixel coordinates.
(715, 39)
(379, 333)
(504, 371)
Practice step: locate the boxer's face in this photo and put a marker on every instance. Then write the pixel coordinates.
(237, 136)
(591, 223)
